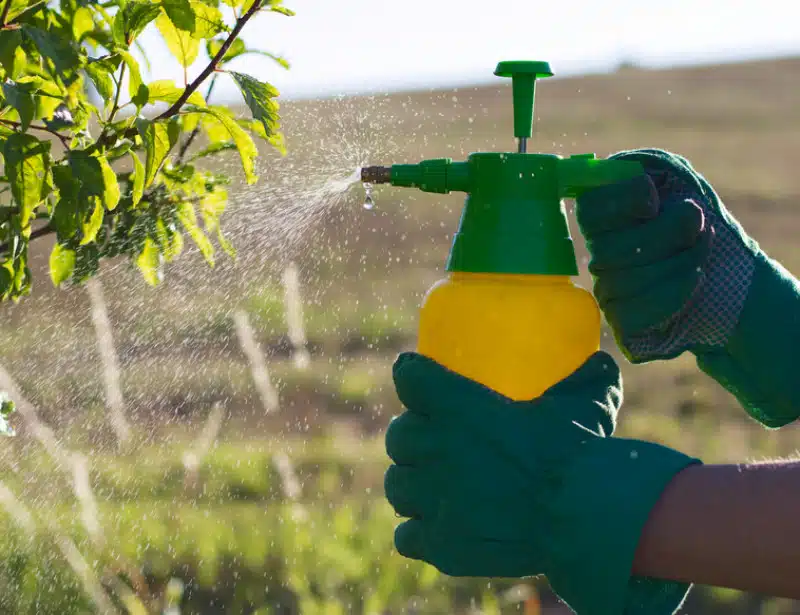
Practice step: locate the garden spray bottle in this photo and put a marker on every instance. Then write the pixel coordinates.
(508, 314)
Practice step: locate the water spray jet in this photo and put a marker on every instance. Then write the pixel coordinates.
(508, 315)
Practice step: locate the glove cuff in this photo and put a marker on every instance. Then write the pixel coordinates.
(606, 497)
(758, 365)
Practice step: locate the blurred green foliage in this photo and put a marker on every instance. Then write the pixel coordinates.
(229, 540)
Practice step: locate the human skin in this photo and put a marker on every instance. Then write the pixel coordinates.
(735, 526)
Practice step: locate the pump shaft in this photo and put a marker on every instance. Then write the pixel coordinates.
(376, 175)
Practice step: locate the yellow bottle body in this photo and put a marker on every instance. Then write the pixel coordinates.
(516, 334)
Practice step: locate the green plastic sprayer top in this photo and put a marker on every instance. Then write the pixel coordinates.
(514, 220)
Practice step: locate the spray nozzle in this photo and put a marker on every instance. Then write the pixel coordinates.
(376, 175)
(514, 220)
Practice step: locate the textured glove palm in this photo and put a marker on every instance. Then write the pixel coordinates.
(674, 271)
(497, 488)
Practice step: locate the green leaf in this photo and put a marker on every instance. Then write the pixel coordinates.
(10, 43)
(82, 23)
(159, 138)
(27, 168)
(92, 226)
(259, 98)
(132, 19)
(282, 10)
(247, 149)
(60, 51)
(62, 264)
(180, 42)
(208, 20)
(225, 244)
(20, 95)
(181, 14)
(188, 219)
(137, 190)
(149, 262)
(236, 49)
(48, 98)
(100, 74)
(97, 191)
(212, 206)
(166, 91)
(111, 193)
(137, 88)
(66, 216)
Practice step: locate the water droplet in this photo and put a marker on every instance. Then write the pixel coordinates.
(368, 202)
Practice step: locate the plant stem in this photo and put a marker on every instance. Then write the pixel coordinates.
(193, 135)
(115, 108)
(212, 66)
(63, 138)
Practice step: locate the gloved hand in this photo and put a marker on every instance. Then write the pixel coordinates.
(497, 488)
(674, 271)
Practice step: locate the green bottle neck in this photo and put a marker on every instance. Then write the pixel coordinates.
(513, 220)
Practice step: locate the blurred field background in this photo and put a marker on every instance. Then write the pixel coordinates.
(231, 499)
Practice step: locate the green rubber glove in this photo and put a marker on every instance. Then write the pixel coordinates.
(674, 271)
(497, 488)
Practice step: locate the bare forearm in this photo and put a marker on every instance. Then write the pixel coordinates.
(728, 526)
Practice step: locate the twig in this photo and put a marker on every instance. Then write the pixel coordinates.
(212, 66)
(193, 135)
(63, 138)
(115, 108)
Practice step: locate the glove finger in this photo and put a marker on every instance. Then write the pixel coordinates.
(677, 228)
(409, 539)
(409, 491)
(616, 206)
(598, 384)
(615, 286)
(654, 308)
(410, 440)
(425, 386)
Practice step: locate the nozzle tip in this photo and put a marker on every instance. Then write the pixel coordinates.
(376, 175)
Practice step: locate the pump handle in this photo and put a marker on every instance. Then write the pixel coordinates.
(523, 81)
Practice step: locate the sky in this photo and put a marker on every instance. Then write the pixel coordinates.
(362, 46)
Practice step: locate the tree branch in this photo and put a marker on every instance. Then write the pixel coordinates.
(212, 66)
(61, 137)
